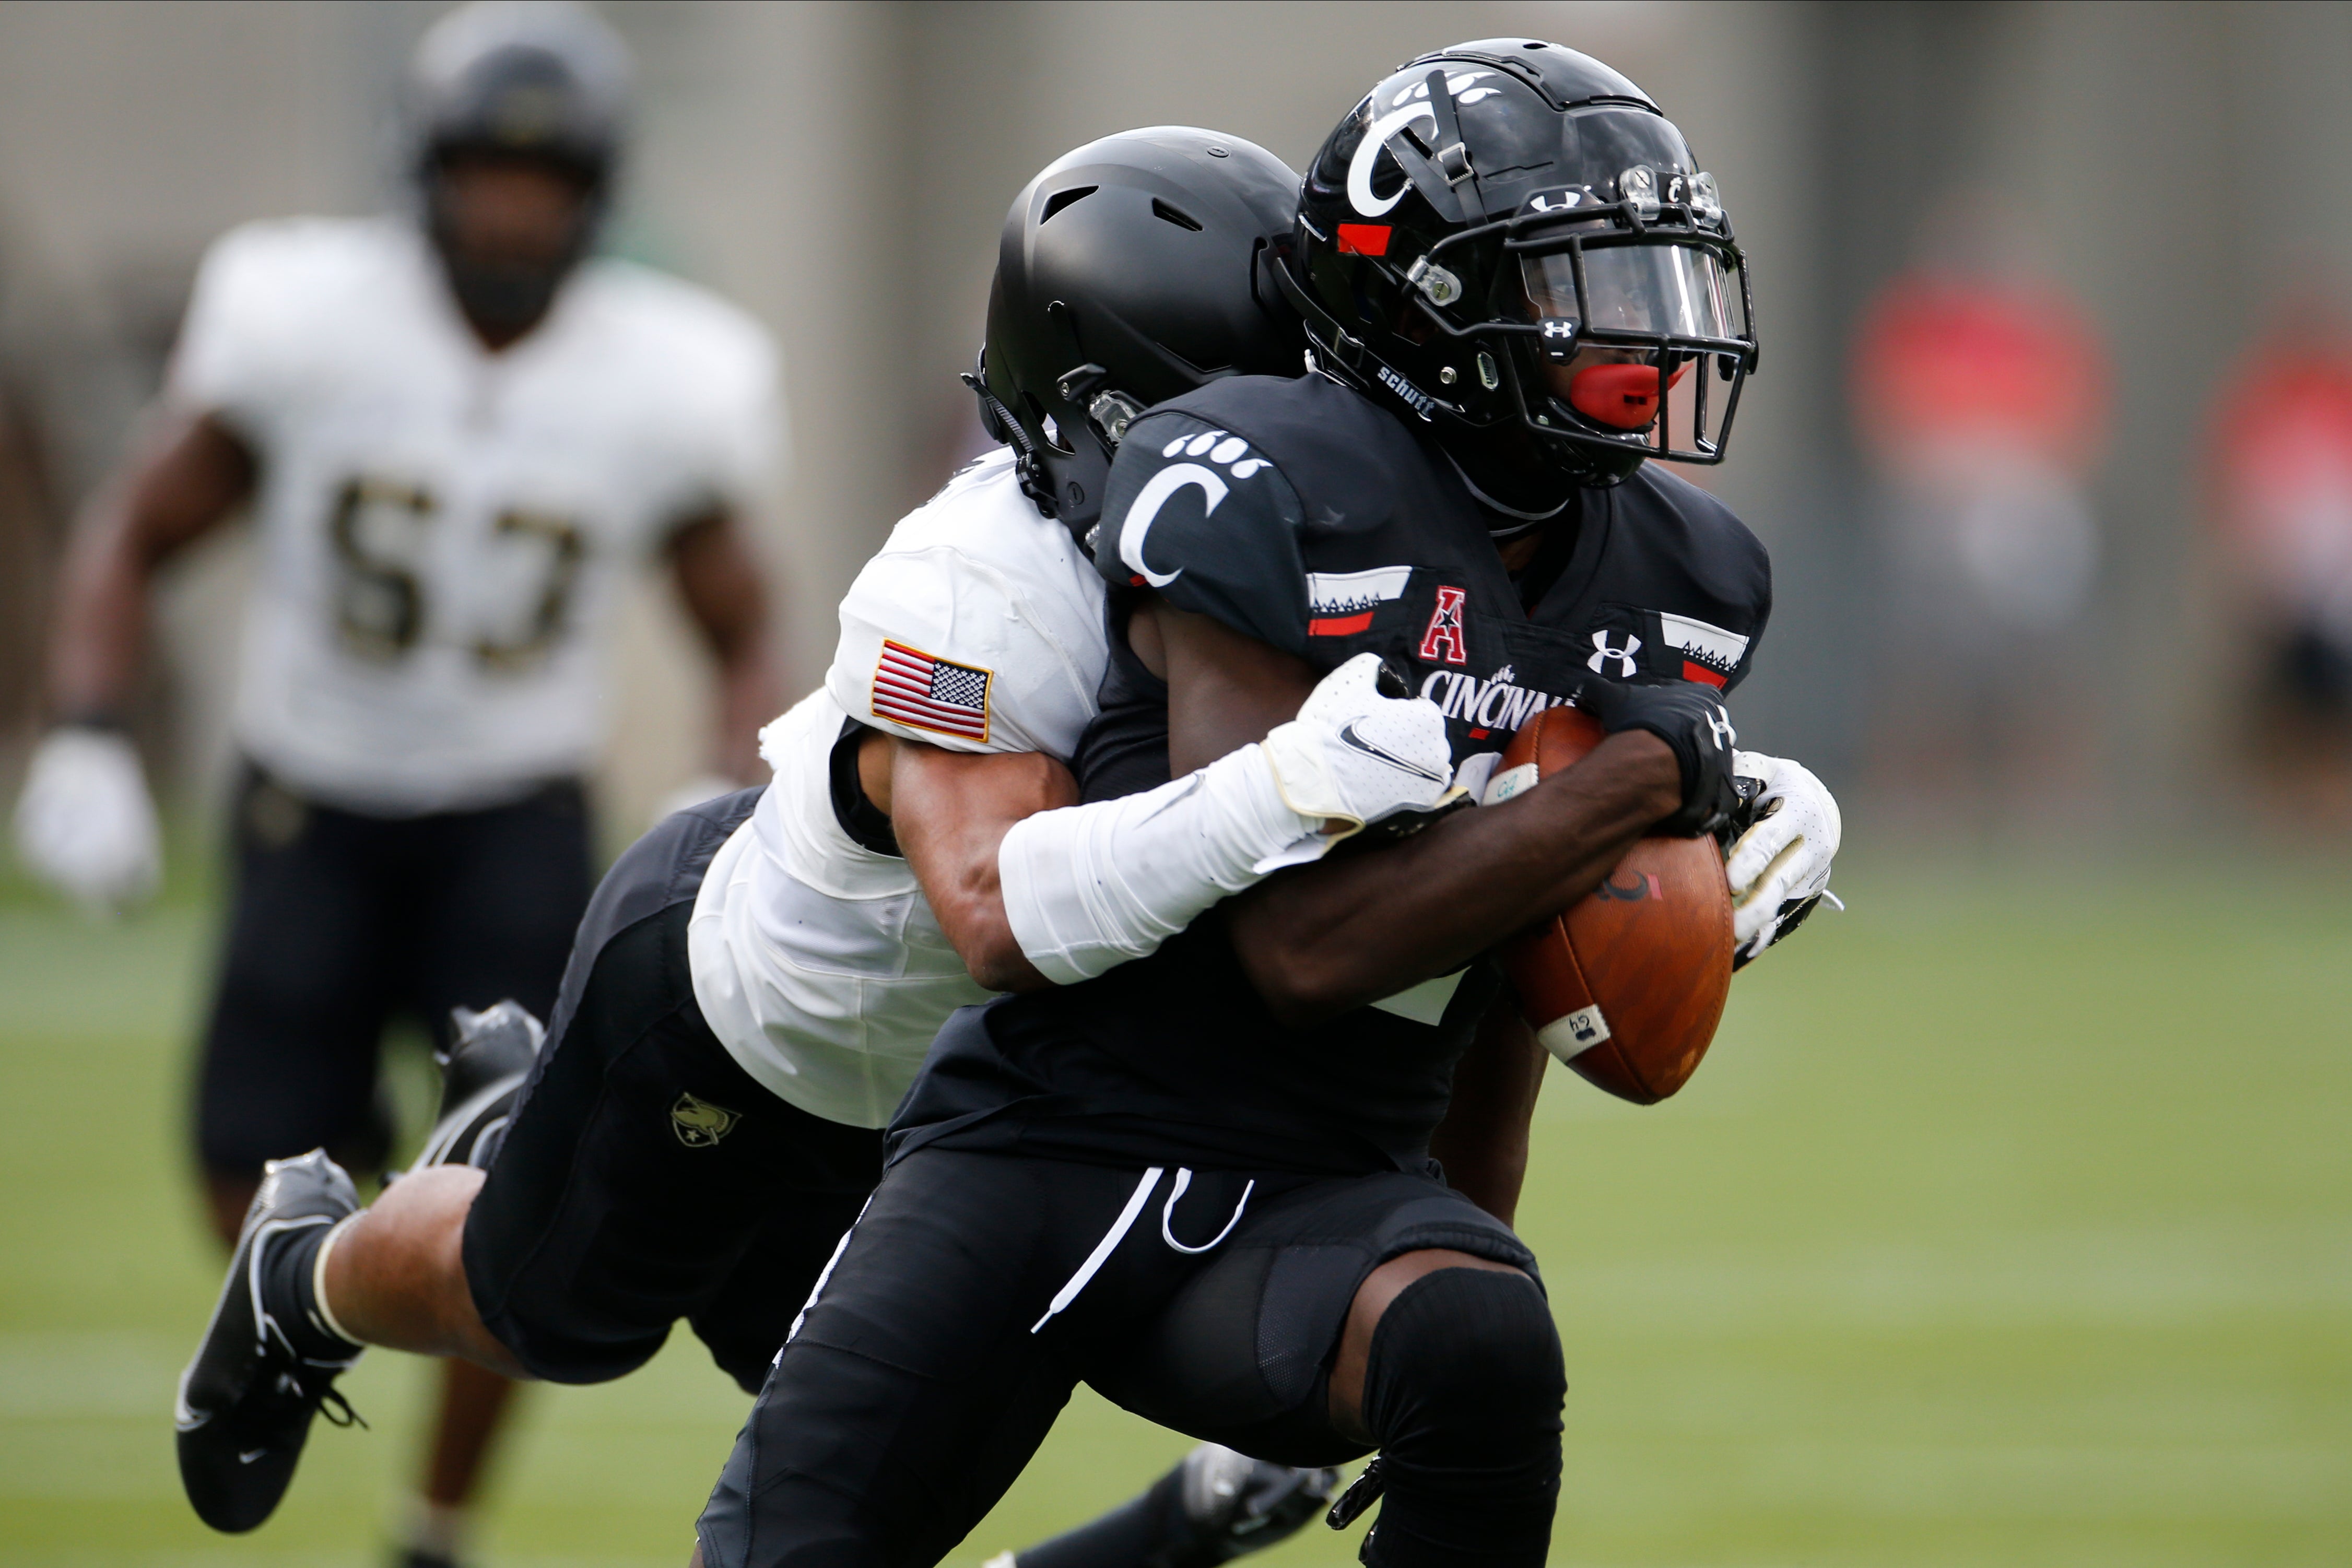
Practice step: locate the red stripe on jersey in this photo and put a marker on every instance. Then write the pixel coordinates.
(1692, 670)
(1363, 240)
(1340, 625)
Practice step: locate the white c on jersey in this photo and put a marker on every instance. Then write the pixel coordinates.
(444, 530)
(816, 961)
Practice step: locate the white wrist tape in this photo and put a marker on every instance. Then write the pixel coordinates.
(1086, 888)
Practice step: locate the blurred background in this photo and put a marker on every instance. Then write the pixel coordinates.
(2013, 1221)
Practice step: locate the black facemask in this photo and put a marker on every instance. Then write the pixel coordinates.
(501, 300)
(505, 300)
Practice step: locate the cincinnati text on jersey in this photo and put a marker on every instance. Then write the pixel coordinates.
(1492, 704)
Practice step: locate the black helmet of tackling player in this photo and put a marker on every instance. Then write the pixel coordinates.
(1509, 241)
(542, 80)
(1131, 270)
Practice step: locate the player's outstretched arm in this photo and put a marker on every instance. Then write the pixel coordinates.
(1091, 887)
(176, 488)
(950, 811)
(1319, 940)
(85, 822)
(725, 594)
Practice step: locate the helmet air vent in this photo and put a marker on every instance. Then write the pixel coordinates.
(1182, 220)
(1060, 199)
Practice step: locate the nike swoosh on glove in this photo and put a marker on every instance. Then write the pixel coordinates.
(85, 823)
(1780, 868)
(1353, 757)
(1689, 718)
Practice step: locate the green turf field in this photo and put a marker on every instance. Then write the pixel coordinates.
(2009, 1224)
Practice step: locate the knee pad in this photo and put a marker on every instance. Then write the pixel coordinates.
(1463, 1392)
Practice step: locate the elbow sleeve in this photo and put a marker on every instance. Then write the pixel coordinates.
(1088, 887)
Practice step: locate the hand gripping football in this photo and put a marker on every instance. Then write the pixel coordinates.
(1627, 986)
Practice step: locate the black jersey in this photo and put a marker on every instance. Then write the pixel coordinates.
(1302, 514)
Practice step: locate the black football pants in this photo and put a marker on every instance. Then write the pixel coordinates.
(341, 922)
(978, 1289)
(645, 1176)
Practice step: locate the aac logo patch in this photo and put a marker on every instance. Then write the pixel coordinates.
(1443, 637)
(699, 1123)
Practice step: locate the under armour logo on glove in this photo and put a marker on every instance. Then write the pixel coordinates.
(1689, 718)
(1603, 655)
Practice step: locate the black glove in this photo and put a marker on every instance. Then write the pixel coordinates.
(1688, 717)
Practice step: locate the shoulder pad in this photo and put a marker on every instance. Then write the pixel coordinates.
(1725, 571)
(1195, 512)
(1214, 494)
(978, 627)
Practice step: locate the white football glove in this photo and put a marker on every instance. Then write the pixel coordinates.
(85, 823)
(1783, 862)
(1353, 757)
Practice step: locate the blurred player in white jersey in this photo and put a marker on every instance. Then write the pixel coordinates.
(459, 434)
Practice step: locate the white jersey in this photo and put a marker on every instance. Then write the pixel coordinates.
(816, 961)
(444, 530)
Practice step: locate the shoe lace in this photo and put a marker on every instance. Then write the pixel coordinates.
(338, 1410)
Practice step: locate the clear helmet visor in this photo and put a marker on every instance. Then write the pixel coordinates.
(1667, 290)
(1652, 349)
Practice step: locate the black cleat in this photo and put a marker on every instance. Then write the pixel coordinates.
(1235, 1505)
(247, 1400)
(480, 1076)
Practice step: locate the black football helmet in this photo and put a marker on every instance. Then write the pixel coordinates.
(1131, 270)
(541, 79)
(1509, 241)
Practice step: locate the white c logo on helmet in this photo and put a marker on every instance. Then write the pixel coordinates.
(1146, 511)
(1359, 167)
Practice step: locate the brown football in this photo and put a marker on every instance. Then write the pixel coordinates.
(1628, 985)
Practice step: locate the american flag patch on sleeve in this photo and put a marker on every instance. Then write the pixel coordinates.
(925, 692)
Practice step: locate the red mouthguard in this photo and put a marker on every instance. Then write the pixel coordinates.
(1623, 395)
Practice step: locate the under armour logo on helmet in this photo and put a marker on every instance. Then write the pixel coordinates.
(1602, 654)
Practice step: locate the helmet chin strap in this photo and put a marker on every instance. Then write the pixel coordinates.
(1028, 463)
(1340, 350)
(1329, 345)
(1524, 519)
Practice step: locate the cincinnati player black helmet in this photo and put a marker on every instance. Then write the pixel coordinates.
(1130, 270)
(1509, 240)
(538, 79)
